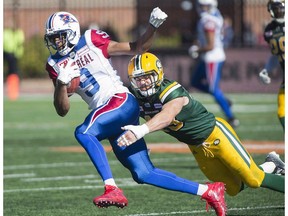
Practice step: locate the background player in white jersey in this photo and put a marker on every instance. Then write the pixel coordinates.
(211, 57)
(112, 105)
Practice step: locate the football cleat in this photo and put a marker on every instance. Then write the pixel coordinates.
(233, 122)
(280, 165)
(113, 196)
(215, 197)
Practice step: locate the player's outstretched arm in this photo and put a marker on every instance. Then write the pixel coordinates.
(144, 42)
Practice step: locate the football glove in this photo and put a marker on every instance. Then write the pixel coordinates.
(157, 17)
(264, 76)
(139, 131)
(193, 51)
(68, 72)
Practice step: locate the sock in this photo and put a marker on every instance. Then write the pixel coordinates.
(268, 167)
(274, 182)
(110, 181)
(202, 189)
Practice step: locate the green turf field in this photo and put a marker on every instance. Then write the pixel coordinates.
(41, 182)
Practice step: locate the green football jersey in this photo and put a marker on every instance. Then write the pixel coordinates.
(192, 125)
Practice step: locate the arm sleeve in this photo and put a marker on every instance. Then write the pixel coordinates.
(101, 40)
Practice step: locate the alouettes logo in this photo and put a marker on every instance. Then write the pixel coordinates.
(66, 18)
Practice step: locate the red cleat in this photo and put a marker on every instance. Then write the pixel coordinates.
(215, 198)
(113, 196)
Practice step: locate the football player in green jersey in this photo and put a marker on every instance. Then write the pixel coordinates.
(274, 35)
(166, 105)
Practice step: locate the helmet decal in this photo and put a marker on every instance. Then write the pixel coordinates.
(158, 64)
(66, 18)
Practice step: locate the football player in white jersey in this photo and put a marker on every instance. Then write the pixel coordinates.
(113, 107)
(211, 57)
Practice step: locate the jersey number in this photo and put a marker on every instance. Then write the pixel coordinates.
(90, 83)
(278, 47)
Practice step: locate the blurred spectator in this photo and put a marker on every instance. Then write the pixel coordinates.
(228, 32)
(249, 37)
(187, 36)
(13, 47)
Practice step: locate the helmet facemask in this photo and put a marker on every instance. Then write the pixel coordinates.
(60, 41)
(147, 83)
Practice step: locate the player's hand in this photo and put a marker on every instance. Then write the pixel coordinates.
(194, 51)
(133, 134)
(68, 72)
(264, 76)
(157, 17)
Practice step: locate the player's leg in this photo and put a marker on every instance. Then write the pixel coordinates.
(100, 124)
(239, 161)
(213, 168)
(281, 106)
(214, 73)
(135, 158)
(199, 79)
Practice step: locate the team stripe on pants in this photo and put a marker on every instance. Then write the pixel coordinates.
(235, 142)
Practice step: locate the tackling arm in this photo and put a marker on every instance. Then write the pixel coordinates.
(167, 114)
(158, 122)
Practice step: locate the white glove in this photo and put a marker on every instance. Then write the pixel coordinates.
(157, 17)
(66, 72)
(193, 51)
(139, 131)
(264, 76)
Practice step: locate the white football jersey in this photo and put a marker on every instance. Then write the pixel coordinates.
(211, 22)
(99, 80)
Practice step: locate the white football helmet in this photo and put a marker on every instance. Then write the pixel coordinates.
(213, 4)
(277, 10)
(62, 32)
